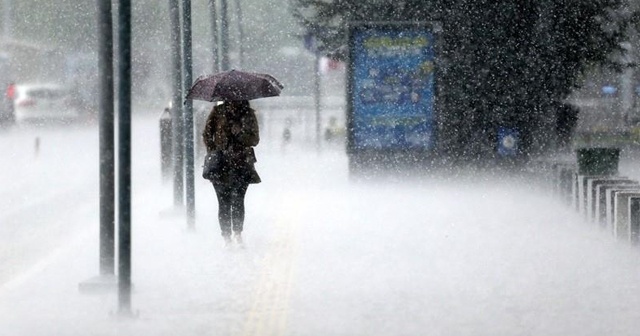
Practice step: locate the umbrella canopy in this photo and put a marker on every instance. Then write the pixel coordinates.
(234, 85)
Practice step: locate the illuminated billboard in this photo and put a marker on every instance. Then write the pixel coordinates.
(391, 87)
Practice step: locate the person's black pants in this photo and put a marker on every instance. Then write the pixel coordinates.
(231, 206)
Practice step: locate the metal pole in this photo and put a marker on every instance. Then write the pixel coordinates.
(188, 112)
(626, 87)
(627, 78)
(124, 157)
(7, 23)
(316, 98)
(176, 103)
(214, 35)
(107, 156)
(224, 36)
(240, 35)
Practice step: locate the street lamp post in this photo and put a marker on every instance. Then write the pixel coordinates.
(176, 103)
(188, 112)
(7, 23)
(106, 278)
(214, 35)
(107, 140)
(240, 35)
(224, 36)
(124, 157)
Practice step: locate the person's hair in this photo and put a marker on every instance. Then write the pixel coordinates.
(240, 108)
(240, 104)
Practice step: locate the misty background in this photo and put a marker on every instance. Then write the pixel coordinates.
(502, 63)
(56, 40)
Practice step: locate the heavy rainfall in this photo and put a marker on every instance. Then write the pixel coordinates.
(427, 168)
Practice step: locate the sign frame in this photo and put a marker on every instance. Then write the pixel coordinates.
(407, 130)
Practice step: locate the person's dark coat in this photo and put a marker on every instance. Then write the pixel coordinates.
(233, 129)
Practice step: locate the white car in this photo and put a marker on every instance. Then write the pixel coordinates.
(43, 102)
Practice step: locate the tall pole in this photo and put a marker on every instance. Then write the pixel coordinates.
(626, 83)
(224, 36)
(316, 97)
(7, 20)
(187, 80)
(214, 35)
(124, 156)
(176, 103)
(106, 129)
(240, 34)
(546, 42)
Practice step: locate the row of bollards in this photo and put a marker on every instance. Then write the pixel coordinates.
(594, 189)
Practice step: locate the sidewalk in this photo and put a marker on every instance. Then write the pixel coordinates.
(329, 257)
(185, 282)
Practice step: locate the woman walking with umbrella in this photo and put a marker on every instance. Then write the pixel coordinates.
(232, 130)
(230, 133)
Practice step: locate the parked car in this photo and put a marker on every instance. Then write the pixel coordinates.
(44, 102)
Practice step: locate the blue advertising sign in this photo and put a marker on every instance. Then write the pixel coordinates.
(392, 87)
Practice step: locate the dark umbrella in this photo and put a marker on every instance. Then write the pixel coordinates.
(234, 85)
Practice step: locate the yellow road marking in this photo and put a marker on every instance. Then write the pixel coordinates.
(270, 310)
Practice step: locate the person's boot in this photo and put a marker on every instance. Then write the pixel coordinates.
(238, 237)
(227, 240)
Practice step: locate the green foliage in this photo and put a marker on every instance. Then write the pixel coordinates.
(328, 19)
(501, 63)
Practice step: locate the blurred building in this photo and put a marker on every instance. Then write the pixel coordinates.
(30, 62)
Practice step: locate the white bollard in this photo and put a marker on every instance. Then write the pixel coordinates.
(592, 185)
(634, 219)
(601, 197)
(582, 192)
(610, 203)
(621, 223)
